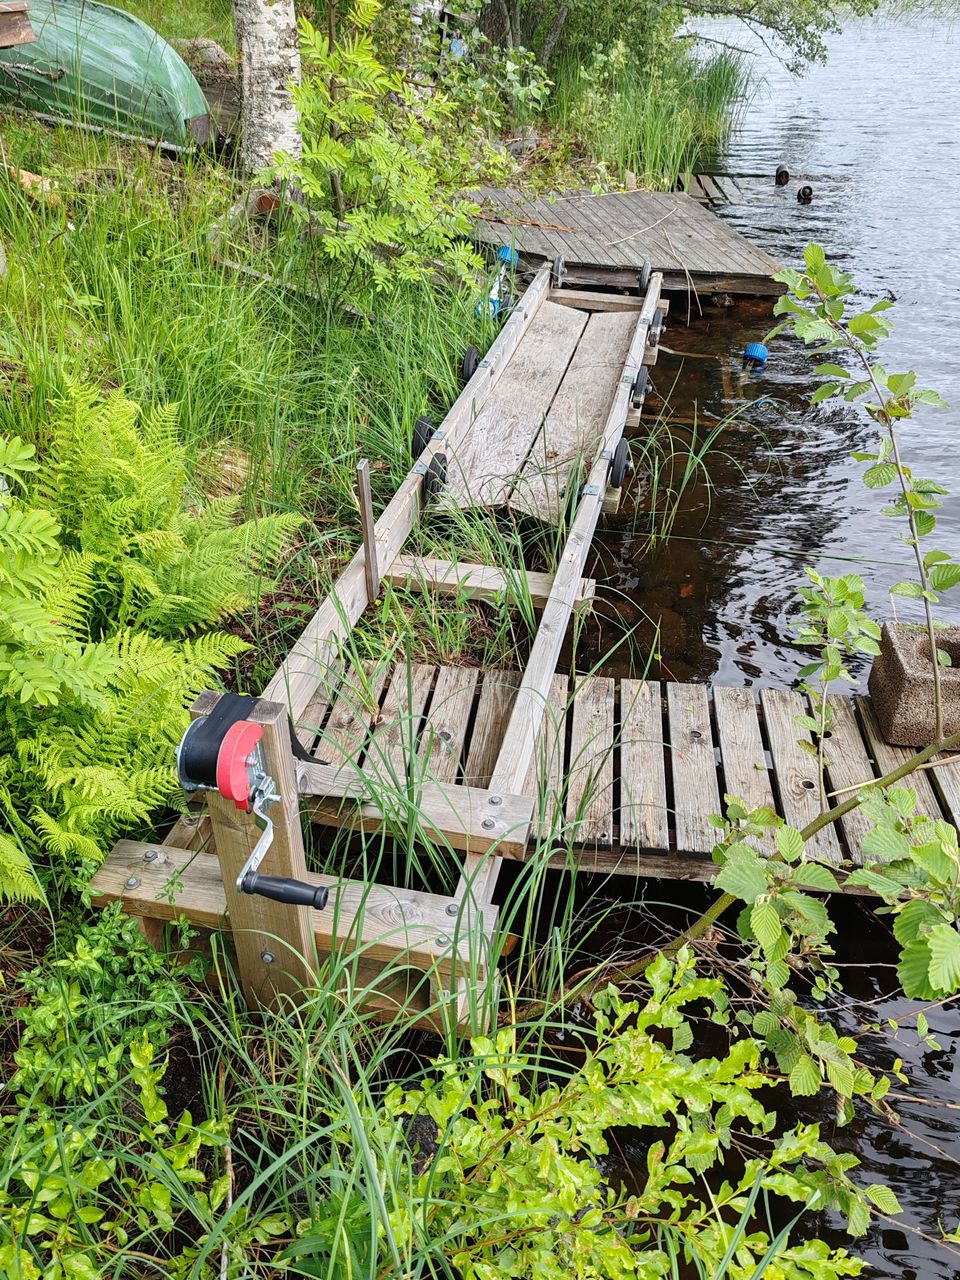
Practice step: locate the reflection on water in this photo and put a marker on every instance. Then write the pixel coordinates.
(874, 133)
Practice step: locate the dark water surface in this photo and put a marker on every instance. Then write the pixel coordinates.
(875, 132)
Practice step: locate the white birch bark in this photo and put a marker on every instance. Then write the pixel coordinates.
(269, 61)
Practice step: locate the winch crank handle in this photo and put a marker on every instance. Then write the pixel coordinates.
(294, 893)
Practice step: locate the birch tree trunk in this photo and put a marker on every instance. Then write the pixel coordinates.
(269, 61)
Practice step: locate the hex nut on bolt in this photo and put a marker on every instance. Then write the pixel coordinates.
(133, 883)
(151, 855)
(487, 823)
(267, 957)
(452, 908)
(443, 941)
(496, 799)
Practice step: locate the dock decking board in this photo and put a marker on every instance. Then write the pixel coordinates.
(612, 235)
(637, 768)
(482, 470)
(574, 423)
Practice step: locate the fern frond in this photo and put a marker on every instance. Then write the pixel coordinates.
(17, 880)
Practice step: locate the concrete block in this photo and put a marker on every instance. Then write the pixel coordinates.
(901, 684)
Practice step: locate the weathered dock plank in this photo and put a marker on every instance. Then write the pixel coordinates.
(606, 239)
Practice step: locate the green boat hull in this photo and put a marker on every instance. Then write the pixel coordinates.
(96, 65)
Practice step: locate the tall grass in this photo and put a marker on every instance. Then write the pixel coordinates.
(656, 121)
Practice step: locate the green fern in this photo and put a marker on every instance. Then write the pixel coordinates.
(88, 727)
(115, 478)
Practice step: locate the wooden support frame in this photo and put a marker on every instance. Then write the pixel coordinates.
(315, 651)
(481, 581)
(274, 942)
(479, 878)
(279, 947)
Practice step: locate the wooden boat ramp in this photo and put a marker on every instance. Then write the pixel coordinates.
(616, 776)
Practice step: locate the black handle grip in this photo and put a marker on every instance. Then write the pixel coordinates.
(282, 889)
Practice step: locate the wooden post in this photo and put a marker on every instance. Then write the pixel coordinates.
(371, 568)
(274, 942)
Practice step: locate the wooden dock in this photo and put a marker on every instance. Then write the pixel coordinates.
(605, 240)
(610, 776)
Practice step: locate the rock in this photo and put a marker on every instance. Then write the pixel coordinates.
(901, 684)
(524, 142)
(218, 76)
(630, 180)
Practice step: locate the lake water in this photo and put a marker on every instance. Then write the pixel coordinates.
(875, 133)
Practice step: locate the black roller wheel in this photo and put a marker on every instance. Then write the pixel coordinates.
(805, 195)
(422, 434)
(436, 477)
(558, 272)
(782, 176)
(620, 465)
(506, 307)
(656, 329)
(640, 384)
(645, 272)
(469, 364)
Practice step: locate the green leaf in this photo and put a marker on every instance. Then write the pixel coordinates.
(945, 576)
(880, 475)
(910, 921)
(912, 590)
(883, 1198)
(765, 924)
(885, 844)
(743, 874)
(805, 1077)
(789, 842)
(829, 370)
(944, 945)
(816, 876)
(913, 972)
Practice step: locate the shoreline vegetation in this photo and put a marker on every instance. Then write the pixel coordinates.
(178, 443)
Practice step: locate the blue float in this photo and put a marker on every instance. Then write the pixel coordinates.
(755, 353)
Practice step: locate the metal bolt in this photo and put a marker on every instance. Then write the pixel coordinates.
(150, 856)
(488, 824)
(443, 941)
(452, 908)
(445, 735)
(267, 957)
(496, 799)
(133, 883)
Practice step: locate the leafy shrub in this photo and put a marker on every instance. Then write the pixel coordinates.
(88, 1006)
(77, 1189)
(378, 162)
(500, 1169)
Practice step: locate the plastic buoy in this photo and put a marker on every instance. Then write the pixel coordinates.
(805, 195)
(755, 353)
(782, 176)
